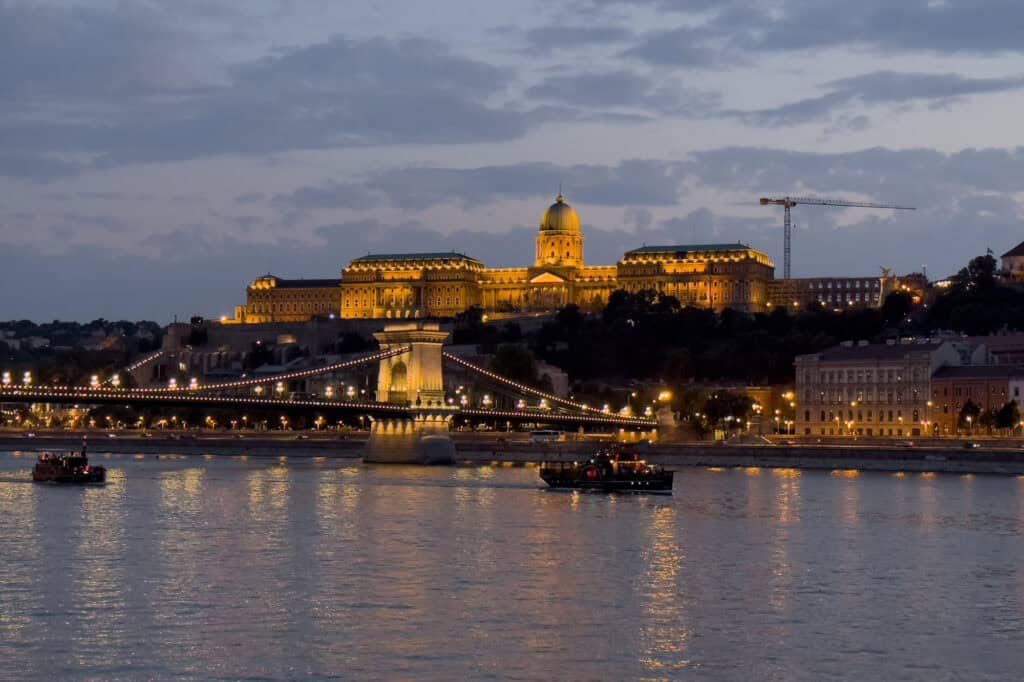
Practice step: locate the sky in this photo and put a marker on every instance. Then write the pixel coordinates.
(158, 155)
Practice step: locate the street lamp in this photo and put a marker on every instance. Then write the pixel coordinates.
(116, 380)
(94, 381)
(26, 378)
(969, 420)
(350, 392)
(6, 379)
(193, 383)
(258, 390)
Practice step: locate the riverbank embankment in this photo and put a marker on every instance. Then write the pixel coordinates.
(497, 450)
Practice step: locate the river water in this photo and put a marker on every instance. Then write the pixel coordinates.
(223, 568)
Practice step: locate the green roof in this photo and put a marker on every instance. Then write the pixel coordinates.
(434, 255)
(688, 248)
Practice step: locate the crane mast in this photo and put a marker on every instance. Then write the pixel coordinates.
(788, 203)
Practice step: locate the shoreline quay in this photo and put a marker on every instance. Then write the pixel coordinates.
(674, 456)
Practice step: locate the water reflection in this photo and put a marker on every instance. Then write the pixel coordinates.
(248, 569)
(97, 581)
(665, 633)
(20, 596)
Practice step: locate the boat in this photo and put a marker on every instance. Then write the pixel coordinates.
(71, 468)
(609, 471)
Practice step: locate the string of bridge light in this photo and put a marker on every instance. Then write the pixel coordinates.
(187, 397)
(547, 416)
(530, 389)
(96, 387)
(76, 393)
(145, 361)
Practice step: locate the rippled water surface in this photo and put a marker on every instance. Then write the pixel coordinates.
(221, 568)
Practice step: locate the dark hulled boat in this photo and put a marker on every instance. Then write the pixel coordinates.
(609, 472)
(71, 468)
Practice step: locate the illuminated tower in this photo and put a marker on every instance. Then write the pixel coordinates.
(559, 242)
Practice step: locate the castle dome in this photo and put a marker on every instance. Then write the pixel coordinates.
(560, 217)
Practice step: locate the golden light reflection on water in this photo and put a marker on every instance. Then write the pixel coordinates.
(99, 571)
(850, 497)
(180, 572)
(927, 502)
(665, 634)
(21, 584)
(787, 512)
(787, 499)
(752, 471)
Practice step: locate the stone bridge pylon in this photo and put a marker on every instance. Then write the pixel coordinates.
(413, 379)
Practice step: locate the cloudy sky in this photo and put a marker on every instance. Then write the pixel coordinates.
(156, 155)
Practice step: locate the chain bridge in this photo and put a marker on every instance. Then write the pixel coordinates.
(410, 415)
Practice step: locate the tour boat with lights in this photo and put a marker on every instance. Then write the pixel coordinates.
(609, 471)
(71, 468)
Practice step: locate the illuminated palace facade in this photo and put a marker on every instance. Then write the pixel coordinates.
(416, 285)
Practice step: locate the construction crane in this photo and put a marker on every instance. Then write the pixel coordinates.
(789, 202)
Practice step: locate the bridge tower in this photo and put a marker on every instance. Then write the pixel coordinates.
(413, 379)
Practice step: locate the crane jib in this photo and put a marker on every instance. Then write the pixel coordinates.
(789, 202)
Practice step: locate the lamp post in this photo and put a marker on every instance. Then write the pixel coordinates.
(969, 429)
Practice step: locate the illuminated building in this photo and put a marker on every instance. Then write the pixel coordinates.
(1012, 264)
(987, 386)
(273, 299)
(443, 284)
(873, 389)
(833, 293)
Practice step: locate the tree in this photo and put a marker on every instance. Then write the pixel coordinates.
(515, 361)
(896, 306)
(979, 273)
(732, 409)
(1008, 415)
(988, 419)
(969, 414)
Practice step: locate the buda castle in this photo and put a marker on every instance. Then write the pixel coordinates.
(443, 284)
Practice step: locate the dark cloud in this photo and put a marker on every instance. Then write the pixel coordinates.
(682, 47)
(634, 182)
(623, 89)
(929, 179)
(339, 93)
(50, 50)
(879, 87)
(250, 198)
(328, 195)
(721, 32)
(561, 37)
